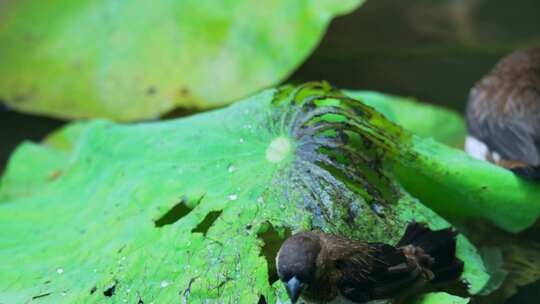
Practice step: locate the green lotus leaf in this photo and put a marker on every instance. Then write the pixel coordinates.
(128, 60)
(194, 210)
(454, 184)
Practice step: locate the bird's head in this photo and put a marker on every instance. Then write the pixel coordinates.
(296, 262)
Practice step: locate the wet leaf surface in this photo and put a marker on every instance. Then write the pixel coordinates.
(191, 209)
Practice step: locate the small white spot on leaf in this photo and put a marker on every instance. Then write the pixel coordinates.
(278, 149)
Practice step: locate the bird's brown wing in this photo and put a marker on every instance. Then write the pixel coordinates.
(383, 273)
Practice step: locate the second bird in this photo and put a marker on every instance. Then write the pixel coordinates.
(503, 114)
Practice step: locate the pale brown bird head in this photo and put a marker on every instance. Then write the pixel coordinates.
(297, 262)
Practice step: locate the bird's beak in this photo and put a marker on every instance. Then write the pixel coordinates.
(294, 289)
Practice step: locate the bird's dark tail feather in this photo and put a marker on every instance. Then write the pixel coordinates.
(440, 245)
(530, 173)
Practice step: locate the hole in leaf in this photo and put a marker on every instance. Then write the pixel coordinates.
(93, 290)
(207, 222)
(177, 212)
(262, 300)
(109, 292)
(140, 301)
(272, 242)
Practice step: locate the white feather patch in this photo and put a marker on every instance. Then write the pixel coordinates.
(476, 148)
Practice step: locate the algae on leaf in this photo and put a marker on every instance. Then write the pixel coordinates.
(446, 179)
(129, 60)
(194, 209)
(422, 119)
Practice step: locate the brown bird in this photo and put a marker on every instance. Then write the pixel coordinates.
(503, 114)
(326, 268)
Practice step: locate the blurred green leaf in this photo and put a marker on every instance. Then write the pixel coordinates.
(493, 260)
(454, 184)
(129, 60)
(520, 269)
(194, 209)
